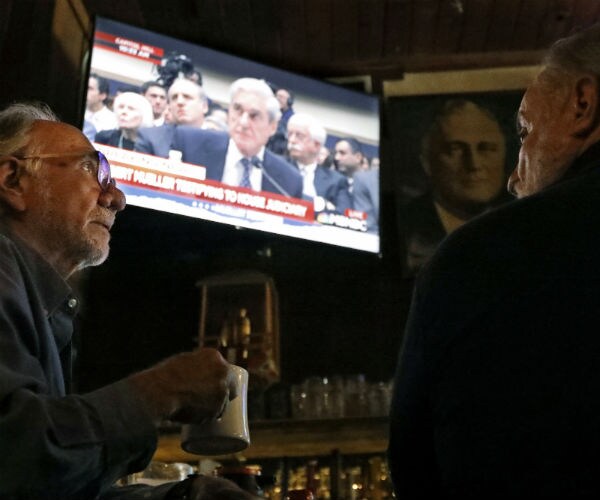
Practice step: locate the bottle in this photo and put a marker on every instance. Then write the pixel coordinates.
(304, 494)
(244, 329)
(245, 476)
(312, 477)
(226, 341)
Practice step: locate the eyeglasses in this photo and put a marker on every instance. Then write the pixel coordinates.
(100, 165)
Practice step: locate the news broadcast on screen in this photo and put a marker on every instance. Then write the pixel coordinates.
(190, 174)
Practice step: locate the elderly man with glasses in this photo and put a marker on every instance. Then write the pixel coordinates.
(58, 203)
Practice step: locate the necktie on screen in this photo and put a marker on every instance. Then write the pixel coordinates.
(247, 165)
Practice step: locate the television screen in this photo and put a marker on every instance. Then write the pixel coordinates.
(233, 141)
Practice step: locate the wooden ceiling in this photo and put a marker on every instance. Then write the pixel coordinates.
(380, 38)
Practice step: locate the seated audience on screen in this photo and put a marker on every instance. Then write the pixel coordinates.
(133, 111)
(463, 153)
(96, 111)
(58, 203)
(278, 141)
(157, 97)
(240, 158)
(187, 106)
(214, 123)
(348, 157)
(325, 158)
(120, 89)
(365, 195)
(365, 163)
(216, 119)
(89, 130)
(327, 188)
(496, 391)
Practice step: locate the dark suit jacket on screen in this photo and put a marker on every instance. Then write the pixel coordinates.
(155, 140)
(209, 149)
(113, 138)
(332, 186)
(365, 191)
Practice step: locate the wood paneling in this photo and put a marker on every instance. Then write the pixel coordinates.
(292, 31)
(344, 37)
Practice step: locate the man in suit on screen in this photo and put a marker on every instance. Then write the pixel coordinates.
(240, 157)
(327, 188)
(187, 106)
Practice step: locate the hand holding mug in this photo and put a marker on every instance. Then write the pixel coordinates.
(189, 387)
(228, 433)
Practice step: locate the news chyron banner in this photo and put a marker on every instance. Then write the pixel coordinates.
(170, 176)
(128, 47)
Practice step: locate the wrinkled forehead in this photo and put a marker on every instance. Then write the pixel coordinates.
(186, 87)
(472, 123)
(56, 137)
(298, 127)
(470, 115)
(251, 99)
(129, 101)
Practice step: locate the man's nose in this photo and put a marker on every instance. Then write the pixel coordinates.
(112, 198)
(472, 160)
(511, 185)
(244, 118)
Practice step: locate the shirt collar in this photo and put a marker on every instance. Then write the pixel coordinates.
(311, 167)
(237, 155)
(54, 291)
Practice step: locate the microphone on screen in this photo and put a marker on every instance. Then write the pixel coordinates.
(257, 163)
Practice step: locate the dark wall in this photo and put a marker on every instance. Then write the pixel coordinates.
(43, 44)
(341, 311)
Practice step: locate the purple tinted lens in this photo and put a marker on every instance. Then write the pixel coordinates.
(104, 176)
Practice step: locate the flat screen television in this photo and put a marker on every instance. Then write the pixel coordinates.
(128, 56)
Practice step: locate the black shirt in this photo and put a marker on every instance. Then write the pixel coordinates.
(496, 393)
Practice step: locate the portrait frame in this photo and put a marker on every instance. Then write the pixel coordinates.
(411, 106)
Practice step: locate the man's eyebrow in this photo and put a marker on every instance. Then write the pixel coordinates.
(521, 120)
(89, 155)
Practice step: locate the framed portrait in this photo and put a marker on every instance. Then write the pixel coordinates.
(452, 153)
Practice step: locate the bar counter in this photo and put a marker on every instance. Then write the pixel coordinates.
(294, 438)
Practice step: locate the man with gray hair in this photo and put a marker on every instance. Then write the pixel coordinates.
(327, 188)
(58, 203)
(240, 157)
(496, 391)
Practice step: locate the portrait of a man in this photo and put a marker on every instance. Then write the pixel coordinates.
(454, 168)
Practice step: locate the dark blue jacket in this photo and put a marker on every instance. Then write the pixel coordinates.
(209, 149)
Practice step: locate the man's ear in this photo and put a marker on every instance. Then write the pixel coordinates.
(586, 104)
(11, 183)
